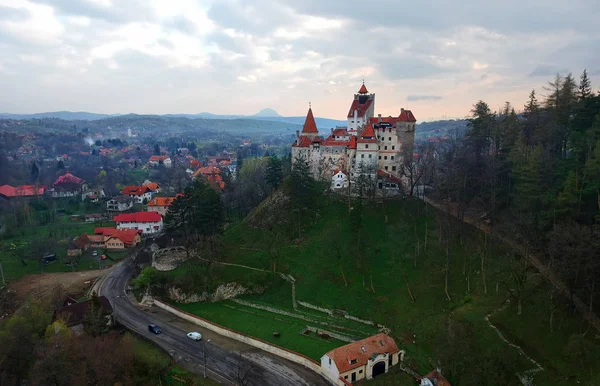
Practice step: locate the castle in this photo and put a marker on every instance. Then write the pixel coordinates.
(368, 145)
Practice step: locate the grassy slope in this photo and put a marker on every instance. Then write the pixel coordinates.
(63, 230)
(390, 258)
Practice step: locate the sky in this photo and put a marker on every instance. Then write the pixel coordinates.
(435, 57)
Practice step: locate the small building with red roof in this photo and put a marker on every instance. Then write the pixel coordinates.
(113, 238)
(434, 378)
(147, 223)
(23, 191)
(68, 185)
(364, 359)
(156, 160)
(160, 204)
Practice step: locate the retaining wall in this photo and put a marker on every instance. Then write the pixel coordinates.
(254, 342)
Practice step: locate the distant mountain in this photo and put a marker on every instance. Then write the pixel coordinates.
(264, 113)
(66, 115)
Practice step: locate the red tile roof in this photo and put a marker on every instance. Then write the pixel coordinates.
(207, 171)
(340, 132)
(68, 178)
(362, 108)
(335, 142)
(157, 158)
(435, 375)
(303, 141)
(135, 190)
(310, 127)
(406, 116)
(388, 176)
(127, 236)
(161, 201)
(153, 186)
(352, 144)
(138, 217)
(363, 89)
(353, 352)
(21, 191)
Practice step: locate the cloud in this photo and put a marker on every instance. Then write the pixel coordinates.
(547, 70)
(415, 98)
(102, 55)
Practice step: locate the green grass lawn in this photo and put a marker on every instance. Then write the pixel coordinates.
(389, 262)
(25, 261)
(261, 324)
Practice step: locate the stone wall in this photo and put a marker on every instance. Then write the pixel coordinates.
(381, 327)
(254, 342)
(223, 292)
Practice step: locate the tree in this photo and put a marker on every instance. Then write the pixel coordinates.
(585, 86)
(156, 149)
(94, 320)
(35, 172)
(60, 165)
(274, 173)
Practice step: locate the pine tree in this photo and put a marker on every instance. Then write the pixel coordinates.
(60, 165)
(274, 173)
(35, 172)
(156, 149)
(585, 86)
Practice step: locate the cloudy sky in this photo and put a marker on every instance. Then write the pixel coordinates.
(435, 57)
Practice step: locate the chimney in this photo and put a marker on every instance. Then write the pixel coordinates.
(378, 118)
(332, 130)
(297, 134)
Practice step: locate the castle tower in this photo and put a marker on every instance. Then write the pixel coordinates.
(361, 109)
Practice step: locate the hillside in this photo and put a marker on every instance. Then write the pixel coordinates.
(399, 265)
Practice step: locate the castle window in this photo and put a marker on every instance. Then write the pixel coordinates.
(362, 156)
(379, 157)
(386, 168)
(366, 146)
(392, 157)
(393, 147)
(385, 157)
(370, 156)
(390, 138)
(393, 168)
(385, 147)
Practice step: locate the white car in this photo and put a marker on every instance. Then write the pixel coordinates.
(194, 336)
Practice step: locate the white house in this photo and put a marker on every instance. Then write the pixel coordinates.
(119, 204)
(141, 194)
(147, 223)
(155, 160)
(339, 180)
(363, 359)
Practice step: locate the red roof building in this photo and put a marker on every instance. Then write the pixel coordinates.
(68, 178)
(136, 190)
(21, 191)
(363, 89)
(138, 217)
(129, 237)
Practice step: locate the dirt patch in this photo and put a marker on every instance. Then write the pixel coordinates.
(75, 283)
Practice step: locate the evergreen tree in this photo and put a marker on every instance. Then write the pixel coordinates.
(274, 173)
(60, 165)
(302, 193)
(35, 172)
(156, 149)
(585, 87)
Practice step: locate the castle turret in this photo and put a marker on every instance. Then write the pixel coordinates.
(362, 108)
(310, 127)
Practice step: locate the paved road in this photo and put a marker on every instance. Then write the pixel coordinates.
(228, 361)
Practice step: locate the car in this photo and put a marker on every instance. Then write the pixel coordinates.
(95, 253)
(194, 336)
(153, 328)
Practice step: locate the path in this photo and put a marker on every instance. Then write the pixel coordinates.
(535, 261)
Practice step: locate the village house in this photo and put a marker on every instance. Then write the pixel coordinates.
(363, 359)
(156, 160)
(73, 315)
(160, 204)
(94, 217)
(112, 238)
(339, 180)
(212, 174)
(140, 194)
(119, 203)
(147, 222)
(68, 185)
(78, 245)
(434, 378)
(23, 191)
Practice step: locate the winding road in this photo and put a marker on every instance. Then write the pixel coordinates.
(228, 361)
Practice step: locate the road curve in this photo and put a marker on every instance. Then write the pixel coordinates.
(227, 361)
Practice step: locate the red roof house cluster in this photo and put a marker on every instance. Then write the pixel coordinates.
(68, 179)
(21, 191)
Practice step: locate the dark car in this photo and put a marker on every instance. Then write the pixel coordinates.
(153, 328)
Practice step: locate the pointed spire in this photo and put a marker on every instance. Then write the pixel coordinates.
(363, 88)
(310, 127)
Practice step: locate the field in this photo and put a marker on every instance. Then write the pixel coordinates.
(22, 246)
(380, 292)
